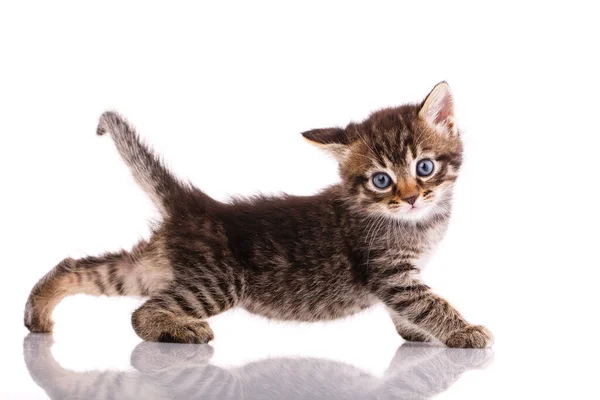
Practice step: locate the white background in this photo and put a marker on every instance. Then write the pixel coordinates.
(223, 91)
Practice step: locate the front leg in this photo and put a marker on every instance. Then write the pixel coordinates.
(415, 303)
(408, 331)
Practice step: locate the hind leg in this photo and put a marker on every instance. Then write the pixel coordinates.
(158, 321)
(68, 277)
(135, 273)
(45, 295)
(178, 314)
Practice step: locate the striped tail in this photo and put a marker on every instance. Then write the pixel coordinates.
(148, 170)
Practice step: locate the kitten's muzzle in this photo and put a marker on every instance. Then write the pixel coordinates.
(411, 199)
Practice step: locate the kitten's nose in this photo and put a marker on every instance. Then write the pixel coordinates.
(411, 200)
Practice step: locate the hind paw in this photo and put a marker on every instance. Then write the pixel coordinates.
(35, 320)
(199, 332)
(176, 332)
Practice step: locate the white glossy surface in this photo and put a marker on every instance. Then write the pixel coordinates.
(251, 358)
(175, 371)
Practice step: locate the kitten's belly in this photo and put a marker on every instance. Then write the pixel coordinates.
(317, 306)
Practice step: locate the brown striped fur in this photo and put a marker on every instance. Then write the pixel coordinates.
(293, 258)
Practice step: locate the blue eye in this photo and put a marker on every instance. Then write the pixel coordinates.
(425, 167)
(381, 180)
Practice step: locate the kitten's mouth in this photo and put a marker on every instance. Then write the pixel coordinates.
(400, 210)
(412, 213)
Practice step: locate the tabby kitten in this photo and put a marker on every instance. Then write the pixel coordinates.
(355, 244)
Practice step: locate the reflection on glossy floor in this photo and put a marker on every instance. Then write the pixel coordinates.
(178, 371)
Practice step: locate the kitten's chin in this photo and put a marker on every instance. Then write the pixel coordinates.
(411, 214)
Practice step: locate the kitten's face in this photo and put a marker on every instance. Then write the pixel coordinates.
(399, 166)
(400, 162)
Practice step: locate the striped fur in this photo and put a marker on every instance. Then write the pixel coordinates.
(293, 258)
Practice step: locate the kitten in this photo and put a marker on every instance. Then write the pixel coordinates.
(355, 244)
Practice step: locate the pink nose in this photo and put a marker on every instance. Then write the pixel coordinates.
(411, 200)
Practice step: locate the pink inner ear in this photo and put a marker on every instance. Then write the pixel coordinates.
(445, 110)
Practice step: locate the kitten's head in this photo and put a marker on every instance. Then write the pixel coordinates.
(401, 162)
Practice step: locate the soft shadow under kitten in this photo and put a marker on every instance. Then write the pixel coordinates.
(353, 245)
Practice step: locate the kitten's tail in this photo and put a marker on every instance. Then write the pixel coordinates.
(147, 168)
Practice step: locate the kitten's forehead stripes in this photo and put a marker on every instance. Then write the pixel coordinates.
(391, 135)
(453, 159)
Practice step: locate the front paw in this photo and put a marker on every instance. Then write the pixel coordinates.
(471, 337)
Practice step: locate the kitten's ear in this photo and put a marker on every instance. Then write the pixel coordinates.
(438, 109)
(335, 141)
